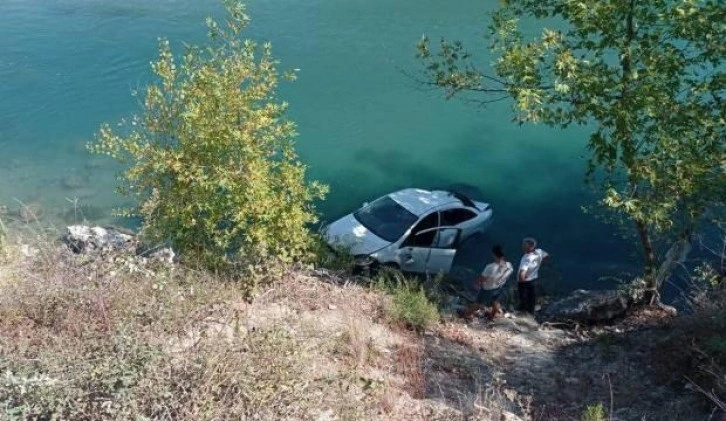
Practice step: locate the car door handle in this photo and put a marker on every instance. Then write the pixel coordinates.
(407, 258)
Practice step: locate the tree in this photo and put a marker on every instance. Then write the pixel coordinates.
(212, 159)
(648, 76)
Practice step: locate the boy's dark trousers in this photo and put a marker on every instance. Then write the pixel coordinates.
(527, 296)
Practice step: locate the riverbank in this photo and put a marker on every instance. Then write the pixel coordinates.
(111, 335)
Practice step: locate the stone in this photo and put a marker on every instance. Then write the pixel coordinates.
(97, 162)
(73, 182)
(163, 255)
(589, 307)
(30, 212)
(84, 239)
(28, 251)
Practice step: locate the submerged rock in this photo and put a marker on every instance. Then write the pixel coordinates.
(83, 239)
(589, 306)
(30, 212)
(73, 182)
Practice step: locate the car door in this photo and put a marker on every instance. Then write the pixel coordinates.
(430, 251)
(414, 250)
(443, 250)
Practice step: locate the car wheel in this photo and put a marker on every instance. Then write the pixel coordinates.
(365, 266)
(391, 266)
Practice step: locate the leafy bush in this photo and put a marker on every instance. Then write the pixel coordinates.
(594, 412)
(410, 304)
(212, 159)
(338, 259)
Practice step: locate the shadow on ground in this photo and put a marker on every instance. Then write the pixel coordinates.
(542, 373)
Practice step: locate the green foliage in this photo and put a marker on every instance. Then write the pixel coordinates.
(212, 159)
(410, 305)
(649, 77)
(594, 412)
(706, 275)
(338, 259)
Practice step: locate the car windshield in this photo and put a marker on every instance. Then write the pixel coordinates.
(386, 218)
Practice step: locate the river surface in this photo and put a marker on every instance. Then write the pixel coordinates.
(366, 128)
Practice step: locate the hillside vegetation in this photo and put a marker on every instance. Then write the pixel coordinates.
(117, 336)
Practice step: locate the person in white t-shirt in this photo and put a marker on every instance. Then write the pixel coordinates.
(528, 274)
(491, 283)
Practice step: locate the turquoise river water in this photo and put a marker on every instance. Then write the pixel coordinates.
(366, 128)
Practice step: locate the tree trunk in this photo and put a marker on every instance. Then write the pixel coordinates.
(649, 263)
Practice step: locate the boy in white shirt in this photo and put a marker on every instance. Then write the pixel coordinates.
(491, 283)
(528, 274)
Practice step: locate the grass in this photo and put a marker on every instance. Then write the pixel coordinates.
(106, 340)
(410, 305)
(595, 412)
(412, 308)
(120, 337)
(694, 351)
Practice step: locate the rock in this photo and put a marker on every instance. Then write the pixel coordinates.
(589, 306)
(30, 212)
(28, 251)
(515, 324)
(164, 255)
(97, 162)
(85, 193)
(73, 182)
(669, 310)
(84, 239)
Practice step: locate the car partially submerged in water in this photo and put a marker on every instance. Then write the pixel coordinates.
(413, 230)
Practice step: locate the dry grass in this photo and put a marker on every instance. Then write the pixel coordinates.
(119, 337)
(84, 338)
(696, 350)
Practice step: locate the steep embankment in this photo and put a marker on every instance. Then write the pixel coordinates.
(112, 335)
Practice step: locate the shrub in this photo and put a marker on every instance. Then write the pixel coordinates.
(410, 305)
(336, 259)
(594, 412)
(212, 160)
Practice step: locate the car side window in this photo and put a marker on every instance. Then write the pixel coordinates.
(426, 239)
(446, 238)
(452, 217)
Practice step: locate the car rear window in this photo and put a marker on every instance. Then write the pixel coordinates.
(386, 218)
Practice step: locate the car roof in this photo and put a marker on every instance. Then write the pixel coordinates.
(419, 201)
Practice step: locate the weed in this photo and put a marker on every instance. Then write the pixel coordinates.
(410, 305)
(336, 259)
(594, 412)
(409, 363)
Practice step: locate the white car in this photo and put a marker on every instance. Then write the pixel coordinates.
(412, 229)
